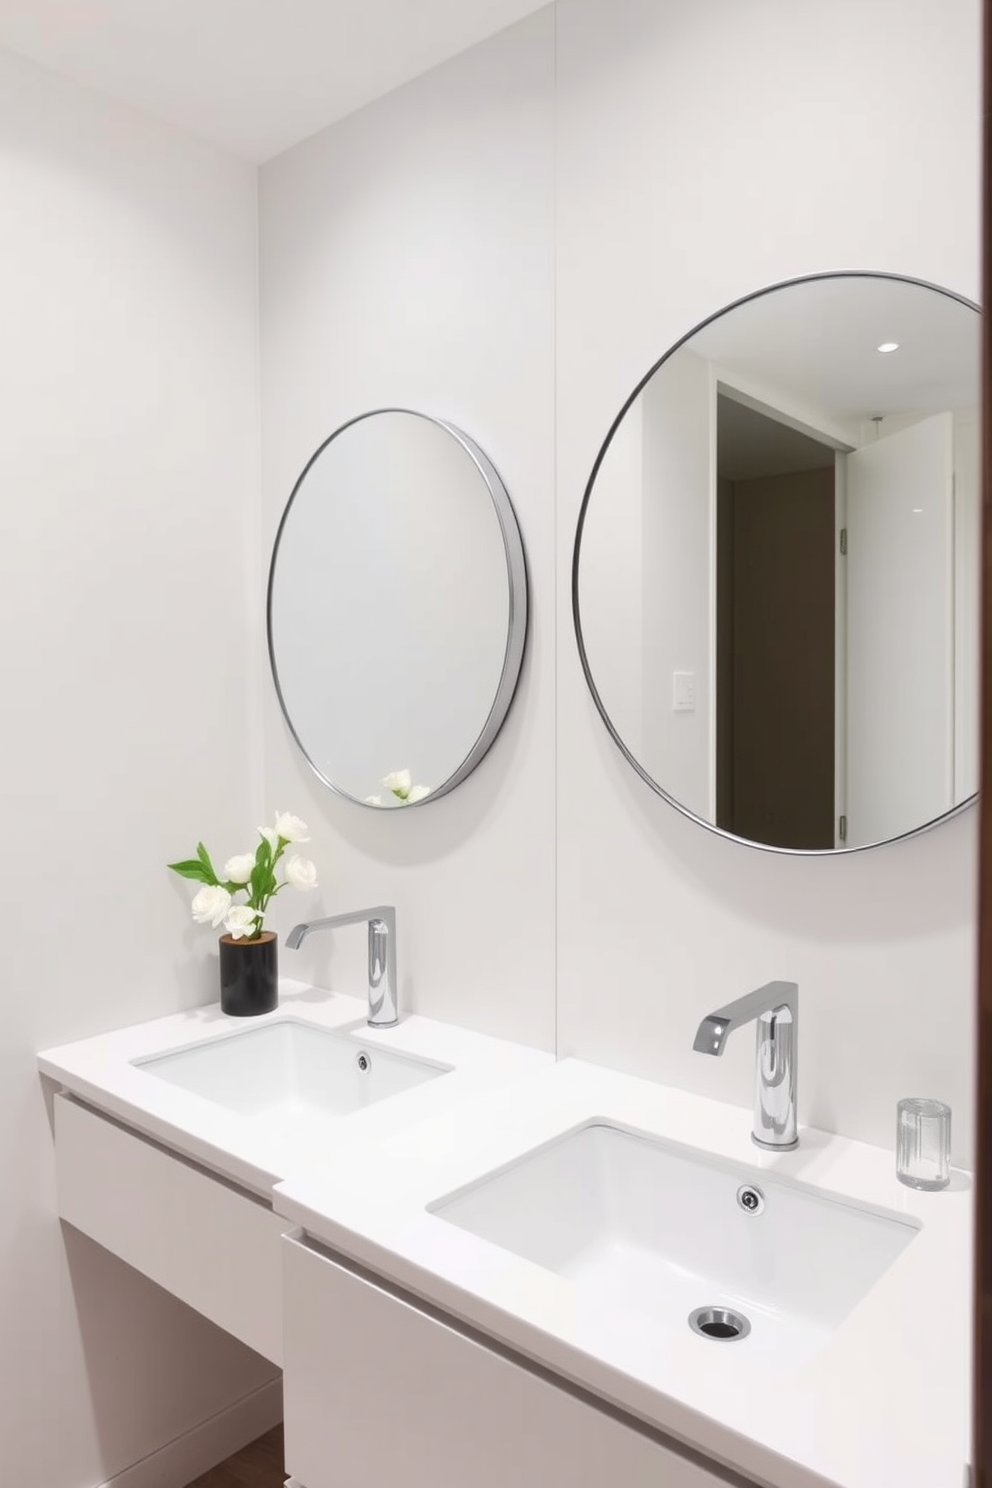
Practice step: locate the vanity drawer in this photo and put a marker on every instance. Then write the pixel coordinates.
(377, 1391)
(197, 1236)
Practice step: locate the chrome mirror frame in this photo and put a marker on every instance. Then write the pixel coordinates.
(649, 780)
(517, 614)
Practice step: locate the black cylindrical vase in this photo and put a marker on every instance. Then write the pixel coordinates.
(249, 975)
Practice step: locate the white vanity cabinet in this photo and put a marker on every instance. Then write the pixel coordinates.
(207, 1242)
(379, 1390)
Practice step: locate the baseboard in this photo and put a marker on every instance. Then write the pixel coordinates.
(195, 1452)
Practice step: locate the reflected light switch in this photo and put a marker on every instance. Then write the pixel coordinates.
(683, 692)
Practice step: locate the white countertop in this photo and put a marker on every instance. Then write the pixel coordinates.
(883, 1404)
(257, 1151)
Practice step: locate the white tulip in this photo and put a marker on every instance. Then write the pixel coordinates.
(290, 828)
(301, 873)
(241, 921)
(373, 800)
(210, 905)
(398, 782)
(418, 793)
(239, 869)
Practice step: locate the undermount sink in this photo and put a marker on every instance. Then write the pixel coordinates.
(670, 1233)
(291, 1069)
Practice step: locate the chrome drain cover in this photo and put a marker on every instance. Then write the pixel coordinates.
(719, 1323)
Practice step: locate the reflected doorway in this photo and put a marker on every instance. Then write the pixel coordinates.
(776, 682)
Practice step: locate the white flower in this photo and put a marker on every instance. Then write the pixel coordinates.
(271, 836)
(418, 793)
(290, 828)
(301, 873)
(210, 905)
(239, 869)
(398, 782)
(373, 800)
(241, 921)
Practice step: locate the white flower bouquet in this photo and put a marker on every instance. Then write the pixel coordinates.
(251, 874)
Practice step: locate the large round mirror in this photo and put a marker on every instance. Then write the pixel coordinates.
(397, 608)
(775, 578)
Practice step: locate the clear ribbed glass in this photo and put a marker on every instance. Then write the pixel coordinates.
(923, 1143)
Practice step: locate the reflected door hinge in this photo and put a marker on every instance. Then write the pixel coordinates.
(843, 542)
(842, 829)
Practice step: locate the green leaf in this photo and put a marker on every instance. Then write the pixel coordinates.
(191, 868)
(262, 852)
(204, 857)
(259, 879)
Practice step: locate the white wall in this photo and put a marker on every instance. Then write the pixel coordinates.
(675, 120)
(611, 588)
(406, 261)
(128, 480)
(456, 247)
(407, 256)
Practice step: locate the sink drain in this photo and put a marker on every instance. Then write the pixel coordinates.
(719, 1323)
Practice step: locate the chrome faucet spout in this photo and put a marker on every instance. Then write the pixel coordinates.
(381, 920)
(775, 1009)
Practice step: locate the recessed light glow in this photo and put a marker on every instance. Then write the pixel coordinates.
(888, 346)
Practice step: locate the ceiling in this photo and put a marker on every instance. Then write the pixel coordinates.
(252, 76)
(750, 445)
(816, 343)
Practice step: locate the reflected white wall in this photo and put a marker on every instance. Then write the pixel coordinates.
(967, 599)
(393, 540)
(677, 561)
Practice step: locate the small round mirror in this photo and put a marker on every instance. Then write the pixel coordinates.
(775, 577)
(397, 608)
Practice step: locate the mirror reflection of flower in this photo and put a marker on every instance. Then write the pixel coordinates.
(248, 873)
(399, 783)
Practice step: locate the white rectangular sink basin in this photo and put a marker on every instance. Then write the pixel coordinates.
(292, 1069)
(661, 1230)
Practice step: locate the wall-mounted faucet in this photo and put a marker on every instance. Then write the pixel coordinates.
(383, 1011)
(776, 1008)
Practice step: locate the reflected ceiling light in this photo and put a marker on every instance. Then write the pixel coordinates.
(888, 346)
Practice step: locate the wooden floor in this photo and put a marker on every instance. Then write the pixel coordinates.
(259, 1465)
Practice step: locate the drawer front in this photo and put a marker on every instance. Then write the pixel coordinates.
(377, 1392)
(213, 1247)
